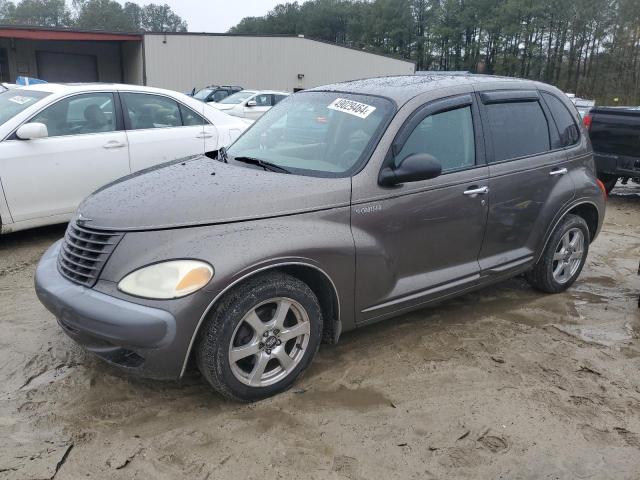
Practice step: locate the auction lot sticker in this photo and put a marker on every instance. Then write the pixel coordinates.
(20, 100)
(361, 110)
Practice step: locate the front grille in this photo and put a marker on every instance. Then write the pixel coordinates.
(84, 253)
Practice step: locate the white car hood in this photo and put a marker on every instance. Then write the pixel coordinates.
(222, 106)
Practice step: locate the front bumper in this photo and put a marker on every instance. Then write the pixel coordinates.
(139, 338)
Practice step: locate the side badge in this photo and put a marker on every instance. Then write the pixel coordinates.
(368, 209)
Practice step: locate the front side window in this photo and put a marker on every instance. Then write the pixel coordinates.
(517, 129)
(447, 136)
(322, 134)
(569, 132)
(80, 114)
(220, 95)
(151, 111)
(263, 100)
(12, 102)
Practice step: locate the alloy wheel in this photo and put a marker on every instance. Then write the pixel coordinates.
(269, 342)
(568, 255)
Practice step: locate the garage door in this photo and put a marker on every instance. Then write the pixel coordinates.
(66, 67)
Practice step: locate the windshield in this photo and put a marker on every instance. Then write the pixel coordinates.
(317, 133)
(12, 102)
(237, 98)
(202, 94)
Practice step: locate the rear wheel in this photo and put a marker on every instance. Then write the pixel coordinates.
(609, 181)
(563, 257)
(260, 338)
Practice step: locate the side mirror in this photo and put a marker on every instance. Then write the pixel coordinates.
(252, 103)
(414, 168)
(32, 131)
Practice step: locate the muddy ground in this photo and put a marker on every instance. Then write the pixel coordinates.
(502, 383)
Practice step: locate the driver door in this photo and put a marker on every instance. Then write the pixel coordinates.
(86, 148)
(420, 241)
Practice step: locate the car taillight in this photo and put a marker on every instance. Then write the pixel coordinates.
(586, 121)
(602, 187)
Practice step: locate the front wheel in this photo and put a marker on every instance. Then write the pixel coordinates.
(260, 338)
(563, 257)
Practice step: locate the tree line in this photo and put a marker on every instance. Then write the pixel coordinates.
(589, 47)
(107, 15)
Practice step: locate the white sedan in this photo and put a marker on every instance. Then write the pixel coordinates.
(251, 104)
(59, 143)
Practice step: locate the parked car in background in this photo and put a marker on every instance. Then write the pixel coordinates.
(249, 103)
(583, 106)
(615, 136)
(215, 93)
(342, 206)
(58, 143)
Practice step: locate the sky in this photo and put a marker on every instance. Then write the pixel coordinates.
(215, 16)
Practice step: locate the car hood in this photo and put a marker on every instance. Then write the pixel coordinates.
(201, 191)
(222, 106)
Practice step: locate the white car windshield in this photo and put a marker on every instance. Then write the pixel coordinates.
(325, 134)
(12, 102)
(237, 98)
(202, 94)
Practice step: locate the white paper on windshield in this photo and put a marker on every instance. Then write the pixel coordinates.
(20, 100)
(360, 110)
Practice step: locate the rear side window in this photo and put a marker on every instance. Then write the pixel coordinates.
(517, 129)
(569, 132)
(447, 136)
(151, 111)
(191, 118)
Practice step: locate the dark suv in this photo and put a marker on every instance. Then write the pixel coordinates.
(342, 206)
(215, 93)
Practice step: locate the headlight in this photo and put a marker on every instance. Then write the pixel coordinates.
(172, 279)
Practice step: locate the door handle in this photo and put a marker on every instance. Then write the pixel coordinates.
(113, 144)
(558, 171)
(204, 135)
(477, 191)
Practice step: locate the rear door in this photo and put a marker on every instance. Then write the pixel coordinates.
(529, 178)
(160, 129)
(419, 241)
(86, 149)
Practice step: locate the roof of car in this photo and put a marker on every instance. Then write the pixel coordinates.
(88, 87)
(402, 88)
(277, 92)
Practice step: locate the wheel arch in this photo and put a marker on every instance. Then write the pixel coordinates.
(315, 277)
(585, 209)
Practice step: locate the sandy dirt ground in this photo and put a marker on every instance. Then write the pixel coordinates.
(502, 383)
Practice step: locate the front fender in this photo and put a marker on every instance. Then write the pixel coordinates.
(237, 251)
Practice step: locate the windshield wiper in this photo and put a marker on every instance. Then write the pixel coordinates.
(268, 166)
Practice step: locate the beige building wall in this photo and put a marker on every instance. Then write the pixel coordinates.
(181, 62)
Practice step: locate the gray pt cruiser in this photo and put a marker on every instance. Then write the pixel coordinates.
(344, 205)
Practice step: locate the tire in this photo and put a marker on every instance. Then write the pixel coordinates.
(239, 323)
(547, 275)
(609, 181)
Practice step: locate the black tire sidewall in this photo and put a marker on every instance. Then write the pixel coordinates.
(213, 352)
